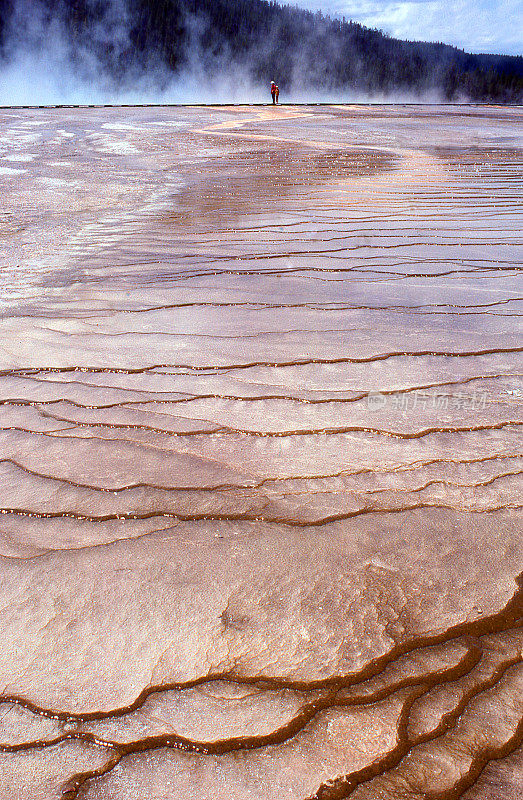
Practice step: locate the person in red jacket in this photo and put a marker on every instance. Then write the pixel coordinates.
(273, 92)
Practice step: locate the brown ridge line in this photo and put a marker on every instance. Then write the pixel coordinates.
(231, 487)
(190, 335)
(412, 310)
(312, 306)
(228, 431)
(282, 734)
(303, 271)
(330, 254)
(370, 271)
(511, 616)
(134, 443)
(190, 397)
(362, 270)
(449, 719)
(249, 365)
(258, 517)
(372, 266)
(132, 486)
(215, 427)
(452, 717)
(371, 219)
(442, 482)
(452, 309)
(391, 233)
(426, 309)
(287, 731)
(481, 761)
(210, 258)
(78, 781)
(387, 276)
(343, 787)
(229, 257)
(204, 261)
(42, 744)
(45, 381)
(408, 467)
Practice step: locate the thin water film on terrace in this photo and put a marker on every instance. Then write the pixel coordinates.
(260, 453)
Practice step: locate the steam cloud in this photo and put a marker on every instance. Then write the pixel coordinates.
(42, 65)
(59, 52)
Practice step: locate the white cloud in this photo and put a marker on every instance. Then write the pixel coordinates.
(492, 26)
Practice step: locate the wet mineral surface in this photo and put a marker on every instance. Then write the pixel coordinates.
(260, 453)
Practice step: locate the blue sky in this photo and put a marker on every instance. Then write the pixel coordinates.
(482, 26)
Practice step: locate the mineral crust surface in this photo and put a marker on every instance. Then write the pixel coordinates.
(260, 453)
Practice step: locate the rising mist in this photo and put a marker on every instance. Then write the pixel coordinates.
(204, 51)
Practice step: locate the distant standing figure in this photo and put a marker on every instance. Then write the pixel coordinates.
(273, 92)
(277, 95)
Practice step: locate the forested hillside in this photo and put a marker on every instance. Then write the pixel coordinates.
(263, 39)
